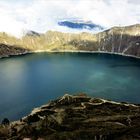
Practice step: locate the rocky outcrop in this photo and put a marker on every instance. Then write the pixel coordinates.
(117, 40)
(77, 117)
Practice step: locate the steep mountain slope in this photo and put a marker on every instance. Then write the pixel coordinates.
(120, 40)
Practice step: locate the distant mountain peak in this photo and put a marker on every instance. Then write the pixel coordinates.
(32, 33)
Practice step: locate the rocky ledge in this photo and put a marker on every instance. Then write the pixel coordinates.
(77, 117)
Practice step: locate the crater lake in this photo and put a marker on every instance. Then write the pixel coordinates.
(29, 81)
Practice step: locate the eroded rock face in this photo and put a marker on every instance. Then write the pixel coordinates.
(77, 117)
(121, 40)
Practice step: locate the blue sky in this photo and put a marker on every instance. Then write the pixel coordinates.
(18, 16)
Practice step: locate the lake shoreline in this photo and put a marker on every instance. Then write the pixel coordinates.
(70, 51)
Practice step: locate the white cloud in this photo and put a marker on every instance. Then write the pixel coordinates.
(43, 15)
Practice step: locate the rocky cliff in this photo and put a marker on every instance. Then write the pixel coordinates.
(118, 40)
(77, 117)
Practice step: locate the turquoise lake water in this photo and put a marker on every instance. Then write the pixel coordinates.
(29, 81)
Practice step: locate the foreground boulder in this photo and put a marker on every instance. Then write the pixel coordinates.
(77, 117)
